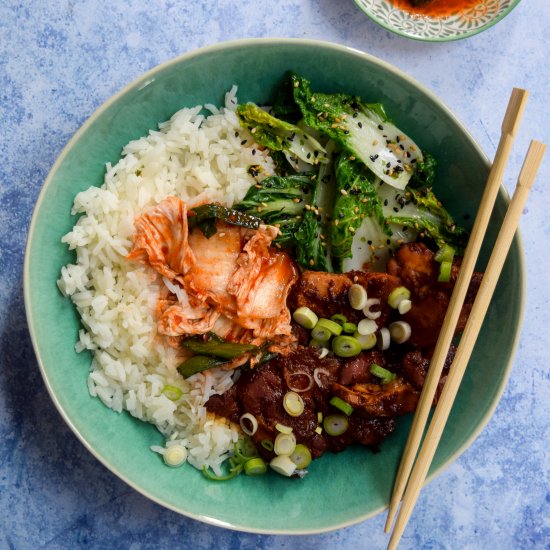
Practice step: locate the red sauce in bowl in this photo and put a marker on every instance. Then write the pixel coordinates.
(435, 8)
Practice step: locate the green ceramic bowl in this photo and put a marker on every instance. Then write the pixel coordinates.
(466, 22)
(340, 489)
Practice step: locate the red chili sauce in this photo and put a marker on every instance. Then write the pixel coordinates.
(435, 8)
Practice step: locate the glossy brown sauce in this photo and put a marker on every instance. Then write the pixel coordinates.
(435, 8)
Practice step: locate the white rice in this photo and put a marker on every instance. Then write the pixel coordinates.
(194, 157)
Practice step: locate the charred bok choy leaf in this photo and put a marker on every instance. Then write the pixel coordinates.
(362, 129)
(278, 135)
(280, 201)
(356, 200)
(205, 217)
(313, 244)
(422, 212)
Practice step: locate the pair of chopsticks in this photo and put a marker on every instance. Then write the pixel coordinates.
(407, 488)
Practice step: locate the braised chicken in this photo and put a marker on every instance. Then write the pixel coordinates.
(415, 266)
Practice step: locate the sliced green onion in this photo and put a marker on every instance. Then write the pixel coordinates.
(385, 375)
(398, 294)
(172, 392)
(283, 429)
(367, 326)
(316, 343)
(367, 311)
(283, 465)
(319, 417)
(293, 403)
(253, 424)
(244, 449)
(323, 352)
(350, 328)
(346, 346)
(267, 444)
(339, 318)
(325, 329)
(357, 296)
(367, 341)
(445, 254)
(301, 456)
(318, 430)
(175, 455)
(445, 269)
(342, 405)
(404, 306)
(284, 444)
(383, 339)
(335, 424)
(234, 472)
(255, 467)
(305, 317)
(400, 332)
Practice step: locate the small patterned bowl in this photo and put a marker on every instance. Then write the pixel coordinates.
(466, 22)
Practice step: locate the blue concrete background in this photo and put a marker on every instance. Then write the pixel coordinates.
(58, 62)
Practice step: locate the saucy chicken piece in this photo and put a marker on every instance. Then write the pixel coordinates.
(414, 264)
(415, 368)
(327, 293)
(260, 391)
(380, 400)
(233, 281)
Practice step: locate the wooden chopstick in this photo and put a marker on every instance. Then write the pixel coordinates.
(514, 111)
(469, 337)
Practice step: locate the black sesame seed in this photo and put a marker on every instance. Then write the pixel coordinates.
(360, 124)
(401, 146)
(243, 141)
(386, 202)
(395, 209)
(380, 127)
(253, 151)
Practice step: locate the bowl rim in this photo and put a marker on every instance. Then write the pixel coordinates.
(141, 81)
(436, 39)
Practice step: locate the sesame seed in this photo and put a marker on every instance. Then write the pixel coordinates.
(297, 84)
(311, 262)
(253, 131)
(343, 191)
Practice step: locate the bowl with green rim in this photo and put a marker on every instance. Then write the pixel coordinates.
(418, 24)
(357, 482)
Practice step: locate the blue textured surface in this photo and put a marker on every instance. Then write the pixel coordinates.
(58, 62)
